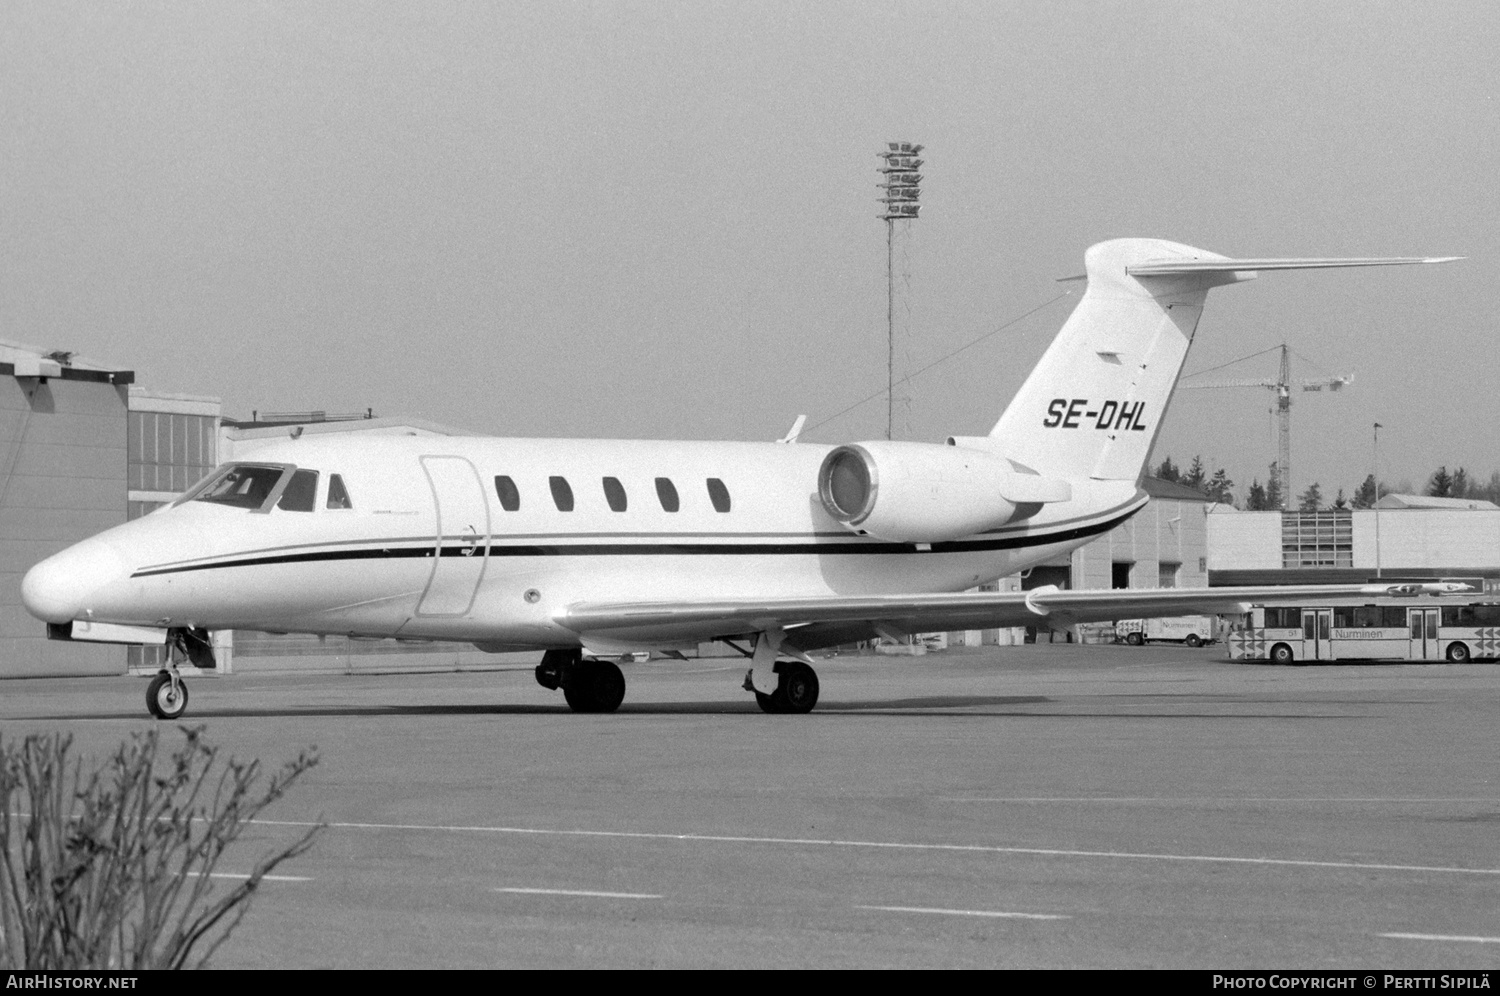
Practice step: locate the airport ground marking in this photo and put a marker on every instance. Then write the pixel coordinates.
(1444, 937)
(1042, 852)
(245, 875)
(995, 914)
(1212, 798)
(518, 890)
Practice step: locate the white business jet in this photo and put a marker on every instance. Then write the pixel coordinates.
(581, 548)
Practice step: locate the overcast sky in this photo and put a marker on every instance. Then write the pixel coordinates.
(659, 219)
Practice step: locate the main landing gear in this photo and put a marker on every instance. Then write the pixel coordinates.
(587, 685)
(796, 689)
(780, 684)
(167, 695)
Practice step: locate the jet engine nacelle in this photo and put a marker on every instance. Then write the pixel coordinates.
(923, 493)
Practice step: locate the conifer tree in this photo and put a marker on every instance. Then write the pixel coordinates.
(1196, 475)
(1220, 488)
(1273, 491)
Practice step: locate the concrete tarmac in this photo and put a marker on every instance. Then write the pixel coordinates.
(1051, 806)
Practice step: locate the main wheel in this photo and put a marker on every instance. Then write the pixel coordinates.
(1458, 653)
(1282, 654)
(595, 686)
(798, 687)
(164, 699)
(1194, 640)
(578, 698)
(769, 703)
(609, 686)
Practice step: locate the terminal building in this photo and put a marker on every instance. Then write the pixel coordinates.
(84, 447)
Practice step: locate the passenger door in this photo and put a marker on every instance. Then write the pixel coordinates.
(462, 546)
(1317, 633)
(1424, 634)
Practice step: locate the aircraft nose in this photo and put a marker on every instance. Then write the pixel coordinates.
(59, 588)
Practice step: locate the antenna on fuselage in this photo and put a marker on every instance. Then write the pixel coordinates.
(791, 437)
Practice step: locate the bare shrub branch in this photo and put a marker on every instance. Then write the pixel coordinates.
(112, 869)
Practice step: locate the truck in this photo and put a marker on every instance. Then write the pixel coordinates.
(1194, 631)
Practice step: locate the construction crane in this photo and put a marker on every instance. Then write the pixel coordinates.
(1282, 385)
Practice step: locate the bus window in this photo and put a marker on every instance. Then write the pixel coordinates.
(1471, 615)
(1369, 617)
(338, 496)
(1283, 618)
(301, 492)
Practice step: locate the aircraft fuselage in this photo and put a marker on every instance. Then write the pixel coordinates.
(486, 539)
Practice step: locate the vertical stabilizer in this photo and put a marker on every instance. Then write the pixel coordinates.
(1095, 402)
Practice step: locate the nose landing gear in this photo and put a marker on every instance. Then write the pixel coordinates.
(167, 695)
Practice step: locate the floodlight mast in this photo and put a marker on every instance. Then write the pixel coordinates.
(902, 200)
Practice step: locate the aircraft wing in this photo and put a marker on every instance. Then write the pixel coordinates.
(821, 621)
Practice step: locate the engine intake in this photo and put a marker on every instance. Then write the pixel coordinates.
(922, 493)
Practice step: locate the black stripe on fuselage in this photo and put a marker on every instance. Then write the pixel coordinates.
(878, 548)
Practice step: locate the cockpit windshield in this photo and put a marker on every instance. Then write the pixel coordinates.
(243, 485)
(260, 487)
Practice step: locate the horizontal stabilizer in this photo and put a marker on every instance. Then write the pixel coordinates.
(1174, 267)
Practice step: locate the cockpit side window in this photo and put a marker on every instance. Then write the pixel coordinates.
(301, 492)
(242, 485)
(338, 495)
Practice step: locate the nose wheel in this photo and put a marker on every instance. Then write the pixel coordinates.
(166, 696)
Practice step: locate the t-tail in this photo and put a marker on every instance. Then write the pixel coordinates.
(1094, 404)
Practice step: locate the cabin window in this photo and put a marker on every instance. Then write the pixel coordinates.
(510, 498)
(562, 494)
(241, 485)
(718, 494)
(667, 492)
(614, 493)
(338, 495)
(301, 493)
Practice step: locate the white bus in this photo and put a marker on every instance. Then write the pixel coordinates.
(1194, 631)
(1425, 628)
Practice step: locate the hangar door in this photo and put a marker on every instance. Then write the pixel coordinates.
(463, 536)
